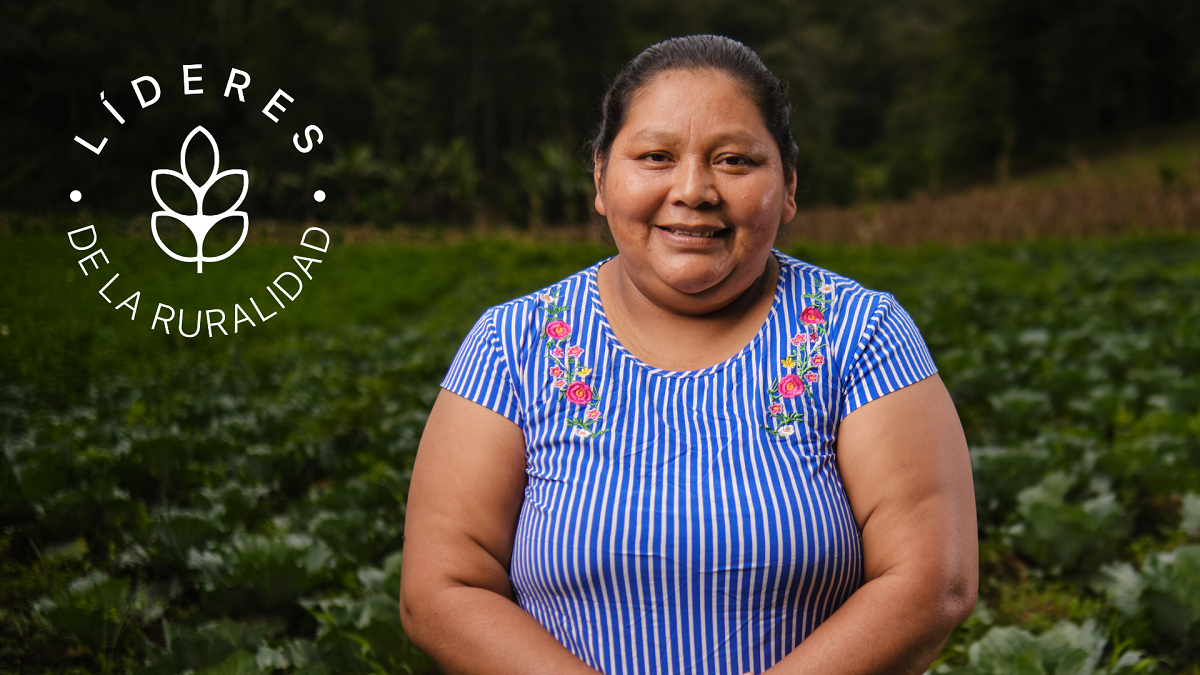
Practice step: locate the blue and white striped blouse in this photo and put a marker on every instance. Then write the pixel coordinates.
(687, 521)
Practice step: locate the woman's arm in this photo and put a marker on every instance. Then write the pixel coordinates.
(906, 472)
(456, 602)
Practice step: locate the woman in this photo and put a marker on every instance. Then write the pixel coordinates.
(700, 455)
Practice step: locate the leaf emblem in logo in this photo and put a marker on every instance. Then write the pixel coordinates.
(199, 223)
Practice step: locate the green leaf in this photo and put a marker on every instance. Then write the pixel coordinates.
(240, 663)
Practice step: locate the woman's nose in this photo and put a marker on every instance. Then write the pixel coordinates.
(693, 185)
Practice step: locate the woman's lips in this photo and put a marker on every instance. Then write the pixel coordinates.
(694, 239)
(690, 234)
(697, 233)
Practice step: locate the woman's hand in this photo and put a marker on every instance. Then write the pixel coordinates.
(907, 474)
(456, 602)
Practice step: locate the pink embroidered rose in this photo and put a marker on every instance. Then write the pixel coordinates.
(556, 372)
(559, 384)
(812, 376)
(579, 392)
(809, 315)
(775, 409)
(798, 338)
(813, 337)
(575, 351)
(791, 386)
(557, 352)
(818, 360)
(559, 330)
(593, 413)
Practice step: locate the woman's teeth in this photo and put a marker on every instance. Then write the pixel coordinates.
(693, 234)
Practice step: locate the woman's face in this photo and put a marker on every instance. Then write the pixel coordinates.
(694, 191)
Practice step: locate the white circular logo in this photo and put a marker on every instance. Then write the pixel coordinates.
(199, 217)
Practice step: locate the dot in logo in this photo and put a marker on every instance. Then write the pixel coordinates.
(319, 195)
(76, 195)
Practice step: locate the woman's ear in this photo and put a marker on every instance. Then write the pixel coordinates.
(789, 201)
(598, 178)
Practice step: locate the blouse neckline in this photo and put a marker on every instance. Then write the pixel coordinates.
(593, 291)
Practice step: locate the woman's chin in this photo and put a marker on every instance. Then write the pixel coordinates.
(699, 292)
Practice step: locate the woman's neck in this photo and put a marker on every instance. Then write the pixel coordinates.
(664, 337)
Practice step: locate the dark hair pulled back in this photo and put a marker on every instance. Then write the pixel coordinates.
(698, 52)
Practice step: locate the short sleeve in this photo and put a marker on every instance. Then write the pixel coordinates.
(480, 371)
(890, 355)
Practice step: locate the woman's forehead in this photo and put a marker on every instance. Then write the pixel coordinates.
(671, 105)
(696, 83)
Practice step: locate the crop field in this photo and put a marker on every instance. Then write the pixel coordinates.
(236, 504)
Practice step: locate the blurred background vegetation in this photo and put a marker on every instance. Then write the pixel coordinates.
(478, 111)
(1024, 176)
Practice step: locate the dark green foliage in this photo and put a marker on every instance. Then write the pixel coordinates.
(438, 112)
(1160, 604)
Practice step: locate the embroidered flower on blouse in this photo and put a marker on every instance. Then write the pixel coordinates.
(811, 314)
(579, 393)
(566, 369)
(790, 386)
(558, 330)
(803, 362)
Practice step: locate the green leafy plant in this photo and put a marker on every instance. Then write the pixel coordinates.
(1066, 649)
(1063, 534)
(99, 612)
(1162, 600)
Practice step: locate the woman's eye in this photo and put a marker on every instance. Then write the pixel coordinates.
(656, 157)
(735, 160)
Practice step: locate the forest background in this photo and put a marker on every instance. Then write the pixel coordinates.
(1024, 176)
(464, 112)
